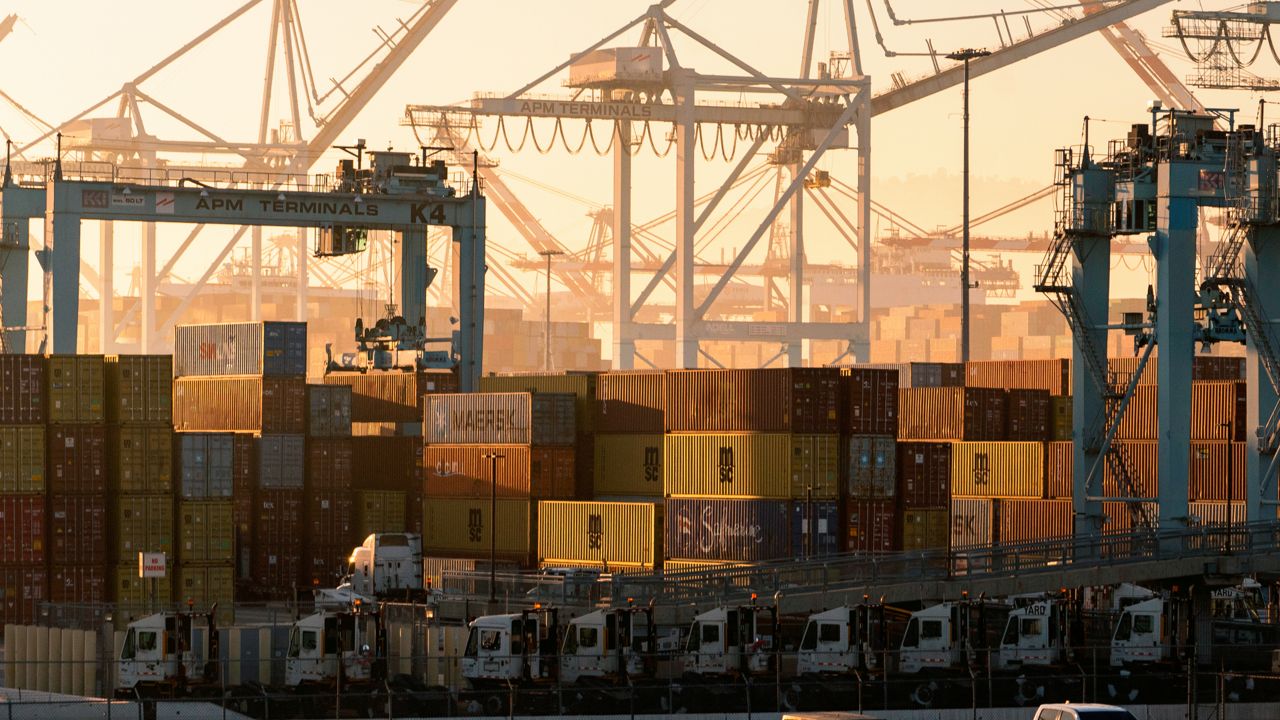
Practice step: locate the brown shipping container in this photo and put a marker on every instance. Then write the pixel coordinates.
(77, 389)
(997, 469)
(460, 527)
(23, 384)
(612, 535)
(1211, 466)
(1053, 376)
(926, 529)
(78, 530)
(330, 521)
(628, 465)
(139, 389)
(873, 403)
(522, 471)
(924, 474)
(582, 385)
(751, 465)
(871, 467)
(1059, 459)
(205, 530)
(923, 374)
(77, 459)
(328, 410)
(500, 419)
(141, 458)
(804, 400)
(142, 523)
(1027, 415)
(329, 467)
(1117, 517)
(385, 463)
(951, 414)
(871, 526)
(22, 459)
(1140, 457)
(25, 588)
(279, 533)
(1215, 513)
(391, 396)
(1213, 404)
(1203, 367)
(1060, 414)
(974, 522)
(22, 526)
(629, 402)
(240, 403)
(1031, 520)
(78, 583)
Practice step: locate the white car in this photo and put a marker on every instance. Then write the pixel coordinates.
(1083, 711)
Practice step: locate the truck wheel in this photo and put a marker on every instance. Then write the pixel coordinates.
(1028, 693)
(791, 697)
(924, 694)
(495, 705)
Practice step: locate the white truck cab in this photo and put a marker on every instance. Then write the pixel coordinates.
(1033, 637)
(837, 641)
(731, 641)
(931, 640)
(167, 648)
(1140, 635)
(1083, 711)
(512, 648)
(318, 642)
(609, 644)
(387, 564)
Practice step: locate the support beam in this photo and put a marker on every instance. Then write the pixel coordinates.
(62, 294)
(795, 282)
(624, 348)
(861, 350)
(1262, 268)
(1091, 282)
(255, 274)
(413, 275)
(15, 262)
(107, 291)
(470, 243)
(147, 289)
(304, 258)
(686, 355)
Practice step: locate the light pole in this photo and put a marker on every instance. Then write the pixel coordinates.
(493, 525)
(546, 326)
(1231, 472)
(965, 56)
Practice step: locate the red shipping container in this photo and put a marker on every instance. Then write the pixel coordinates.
(22, 389)
(22, 589)
(77, 530)
(1211, 465)
(872, 526)
(924, 474)
(872, 406)
(22, 526)
(541, 473)
(973, 414)
(78, 584)
(386, 463)
(276, 554)
(802, 400)
(1027, 415)
(629, 401)
(329, 465)
(1031, 520)
(330, 524)
(77, 459)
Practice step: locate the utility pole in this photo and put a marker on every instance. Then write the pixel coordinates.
(546, 325)
(965, 284)
(493, 526)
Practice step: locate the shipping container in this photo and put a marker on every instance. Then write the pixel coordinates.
(582, 385)
(379, 511)
(500, 419)
(282, 461)
(441, 572)
(77, 459)
(815, 528)
(802, 400)
(1209, 513)
(1059, 461)
(207, 463)
(328, 411)
(1139, 456)
(1052, 376)
(1060, 414)
(330, 527)
(1211, 464)
(751, 465)
(1203, 367)
(244, 348)
(143, 523)
(139, 389)
(78, 584)
(22, 590)
(136, 594)
(77, 530)
(22, 459)
(871, 467)
(1118, 517)
(1214, 406)
(871, 526)
(628, 464)
(244, 404)
(728, 529)
(1032, 520)
(278, 537)
(461, 527)
(926, 529)
(22, 529)
(203, 584)
(630, 402)
(141, 458)
(77, 389)
(329, 465)
(1027, 415)
(206, 531)
(997, 469)
(951, 414)
(391, 396)
(23, 384)
(924, 374)
(924, 474)
(540, 473)
(613, 536)
(676, 567)
(386, 463)
(873, 403)
(974, 523)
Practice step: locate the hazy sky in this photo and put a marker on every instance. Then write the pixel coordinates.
(66, 55)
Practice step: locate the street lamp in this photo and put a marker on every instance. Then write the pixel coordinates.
(493, 524)
(546, 326)
(965, 56)
(1230, 426)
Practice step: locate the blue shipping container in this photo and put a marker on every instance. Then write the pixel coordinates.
(815, 528)
(730, 530)
(206, 465)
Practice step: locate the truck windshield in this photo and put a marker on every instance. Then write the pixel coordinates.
(472, 642)
(810, 639)
(695, 638)
(294, 644)
(130, 645)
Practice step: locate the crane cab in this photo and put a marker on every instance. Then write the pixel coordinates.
(609, 644)
(326, 642)
(516, 647)
(732, 642)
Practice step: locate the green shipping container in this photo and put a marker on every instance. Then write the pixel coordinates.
(77, 389)
(460, 527)
(22, 460)
(379, 511)
(206, 531)
(628, 465)
(204, 585)
(1060, 409)
(751, 465)
(143, 523)
(141, 459)
(140, 389)
(926, 529)
(135, 593)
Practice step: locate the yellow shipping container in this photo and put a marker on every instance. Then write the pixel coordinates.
(629, 465)
(135, 592)
(751, 465)
(600, 534)
(204, 584)
(77, 388)
(460, 527)
(379, 511)
(144, 523)
(997, 469)
(141, 459)
(581, 385)
(22, 459)
(206, 531)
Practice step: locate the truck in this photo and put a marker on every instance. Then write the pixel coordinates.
(612, 657)
(508, 653)
(729, 648)
(386, 566)
(841, 650)
(338, 656)
(170, 654)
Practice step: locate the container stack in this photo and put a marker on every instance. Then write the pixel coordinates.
(329, 505)
(76, 438)
(628, 436)
(750, 464)
(140, 454)
(533, 433)
(872, 512)
(23, 571)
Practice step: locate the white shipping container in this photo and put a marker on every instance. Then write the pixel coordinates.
(500, 419)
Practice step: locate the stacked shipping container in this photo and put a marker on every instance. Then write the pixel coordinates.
(23, 568)
(328, 490)
(871, 510)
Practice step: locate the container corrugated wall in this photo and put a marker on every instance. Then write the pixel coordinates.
(1060, 414)
(1053, 376)
(1215, 513)
(143, 523)
(873, 402)
(924, 474)
(1059, 460)
(871, 526)
(581, 385)
(629, 402)
(22, 459)
(815, 528)
(391, 396)
(26, 589)
(997, 469)
(1027, 415)
(77, 389)
(379, 511)
(628, 464)
(245, 404)
(275, 561)
(141, 459)
(77, 530)
(1213, 404)
(973, 522)
(1211, 466)
(604, 534)
(22, 529)
(206, 464)
(924, 374)
(77, 459)
(500, 419)
(727, 529)
(282, 461)
(951, 414)
(751, 465)
(522, 471)
(139, 388)
(328, 411)
(329, 465)
(460, 527)
(246, 348)
(78, 584)
(871, 467)
(387, 463)
(1030, 520)
(926, 529)
(205, 530)
(803, 400)
(131, 590)
(23, 385)
(206, 585)
(1203, 367)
